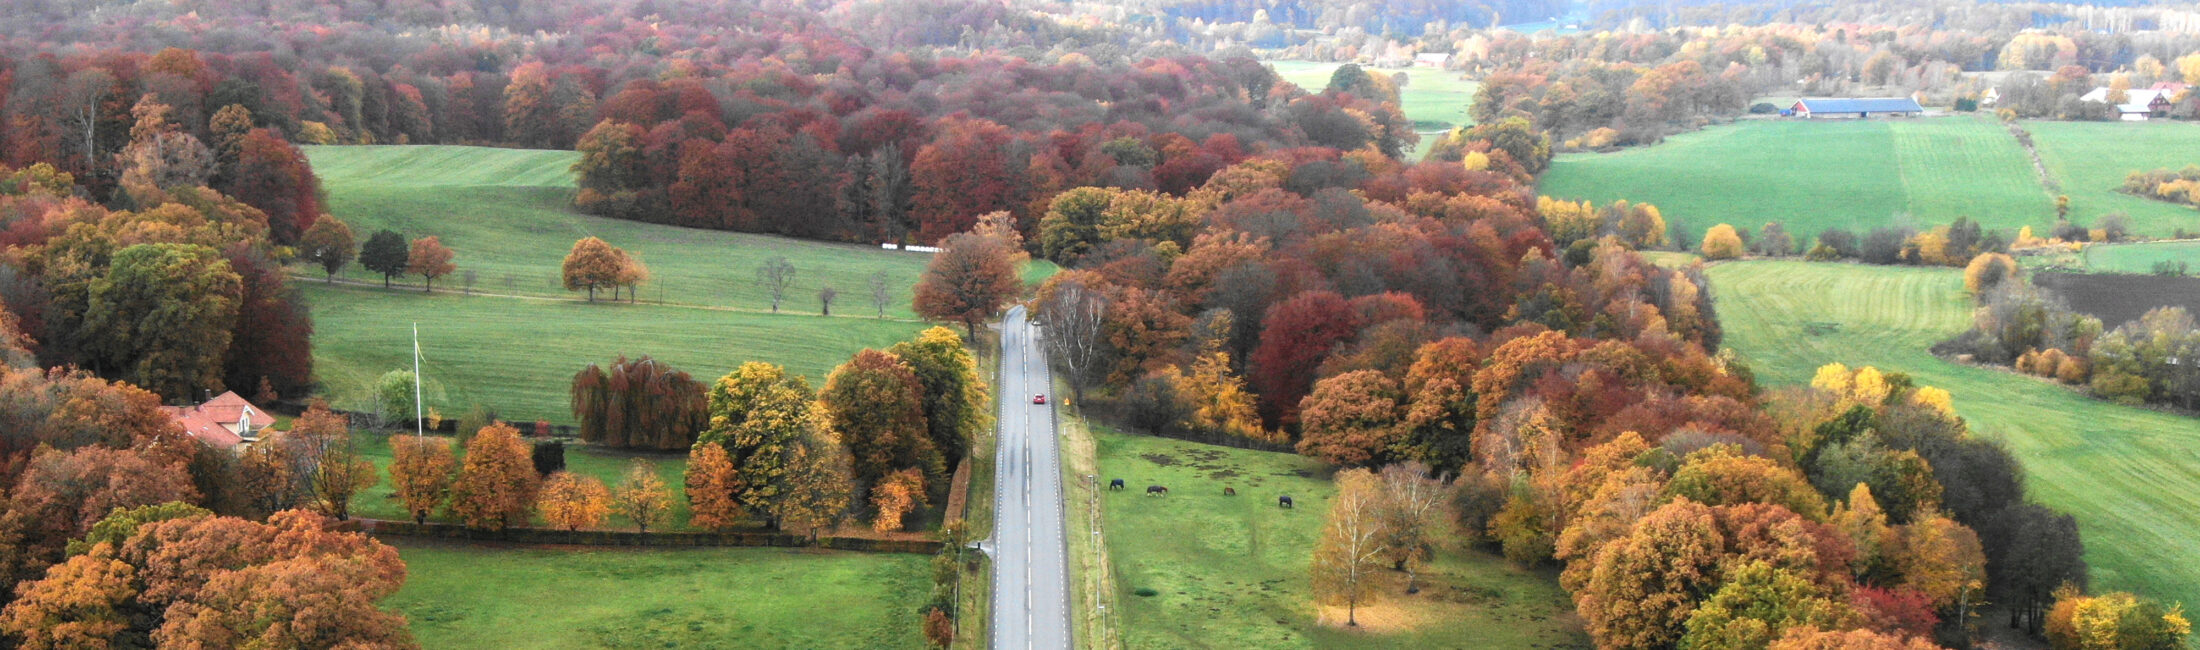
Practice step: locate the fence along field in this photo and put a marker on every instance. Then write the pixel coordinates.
(508, 215)
(2130, 475)
(1813, 175)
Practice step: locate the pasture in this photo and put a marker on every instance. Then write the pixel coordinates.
(508, 215)
(464, 596)
(517, 356)
(1435, 100)
(2131, 476)
(2140, 257)
(1813, 175)
(1232, 572)
(2090, 159)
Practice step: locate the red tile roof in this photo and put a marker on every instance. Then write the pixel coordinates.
(211, 421)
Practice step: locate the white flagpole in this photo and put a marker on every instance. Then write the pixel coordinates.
(419, 429)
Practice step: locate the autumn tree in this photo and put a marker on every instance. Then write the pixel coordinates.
(273, 175)
(316, 587)
(591, 264)
(641, 496)
(1988, 270)
(422, 471)
(1351, 419)
(429, 259)
(1351, 547)
(877, 405)
(84, 602)
(1415, 511)
(161, 317)
(639, 403)
(1296, 336)
(1756, 602)
(385, 252)
(895, 497)
(759, 414)
(1646, 585)
(574, 501)
(956, 398)
(328, 243)
(496, 485)
(968, 281)
(710, 484)
(819, 484)
(1721, 242)
(2114, 620)
(338, 470)
(775, 274)
(1073, 309)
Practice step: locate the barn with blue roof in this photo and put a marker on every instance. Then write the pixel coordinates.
(1856, 107)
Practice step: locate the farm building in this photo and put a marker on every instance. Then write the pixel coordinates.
(1431, 59)
(1858, 107)
(2138, 105)
(223, 422)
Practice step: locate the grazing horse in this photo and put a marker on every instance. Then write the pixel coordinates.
(1156, 489)
(1116, 484)
(1229, 491)
(1284, 501)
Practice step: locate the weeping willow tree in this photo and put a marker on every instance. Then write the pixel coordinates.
(639, 403)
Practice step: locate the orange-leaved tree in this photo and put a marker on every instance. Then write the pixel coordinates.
(710, 484)
(574, 501)
(968, 281)
(592, 263)
(429, 259)
(897, 496)
(496, 486)
(422, 472)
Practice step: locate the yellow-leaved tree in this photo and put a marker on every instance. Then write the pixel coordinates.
(573, 501)
(1721, 242)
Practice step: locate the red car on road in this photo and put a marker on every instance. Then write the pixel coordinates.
(1039, 398)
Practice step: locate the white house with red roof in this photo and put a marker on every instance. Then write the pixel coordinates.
(224, 422)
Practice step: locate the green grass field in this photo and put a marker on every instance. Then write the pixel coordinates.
(517, 356)
(1232, 572)
(508, 215)
(460, 596)
(2090, 159)
(1813, 175)
(2131, 476)
(2140, 257)
(1436, 100)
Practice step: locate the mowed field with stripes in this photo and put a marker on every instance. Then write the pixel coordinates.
(2130, 475)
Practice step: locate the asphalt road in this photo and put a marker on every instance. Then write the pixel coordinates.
(1030, 555)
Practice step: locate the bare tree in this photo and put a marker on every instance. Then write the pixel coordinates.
(468, 277)
(1351, 545)
(776, 274)
(84, 96)
(825, 298)
(1415, 508)
(882, 291)
(1072, 313)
